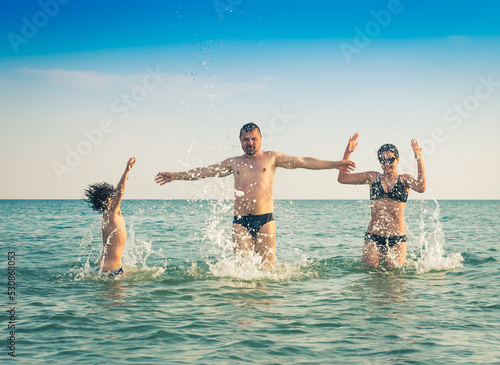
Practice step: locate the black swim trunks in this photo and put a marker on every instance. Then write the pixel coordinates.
(253, 222)
(384, 242)
(111, 273)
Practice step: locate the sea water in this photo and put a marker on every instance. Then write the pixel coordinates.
(185, 298)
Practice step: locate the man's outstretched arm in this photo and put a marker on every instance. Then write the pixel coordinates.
(217, 170)
(310, 163)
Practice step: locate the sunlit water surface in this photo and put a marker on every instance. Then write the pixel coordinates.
(185, 299)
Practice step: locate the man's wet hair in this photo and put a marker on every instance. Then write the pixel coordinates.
(387, 148)
(97, 195)
(249, 127)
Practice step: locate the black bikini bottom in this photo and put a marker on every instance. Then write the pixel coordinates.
(384, 242)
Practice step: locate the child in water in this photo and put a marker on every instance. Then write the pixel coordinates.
(104, 198)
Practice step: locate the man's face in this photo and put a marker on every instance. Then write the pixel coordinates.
(250, 142)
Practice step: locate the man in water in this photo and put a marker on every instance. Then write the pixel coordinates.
(105, 199)
(254, 228)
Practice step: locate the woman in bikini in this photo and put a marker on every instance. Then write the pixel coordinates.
(385, 238)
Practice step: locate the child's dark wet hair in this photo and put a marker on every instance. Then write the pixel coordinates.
(97, 195)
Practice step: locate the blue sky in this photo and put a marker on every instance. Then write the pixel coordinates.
(85, 85)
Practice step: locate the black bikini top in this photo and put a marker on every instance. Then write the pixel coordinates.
(398, 192)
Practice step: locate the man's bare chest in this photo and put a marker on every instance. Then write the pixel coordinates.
(253, 172)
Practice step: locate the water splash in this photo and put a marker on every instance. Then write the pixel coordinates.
(223, 262)
(139, 259)
(430, 254)
(250, 268)
(137, 252)
(86, 247)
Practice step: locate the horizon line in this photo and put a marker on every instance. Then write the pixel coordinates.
(278, 199)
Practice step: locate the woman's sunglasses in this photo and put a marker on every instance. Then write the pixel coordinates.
(384, 160)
